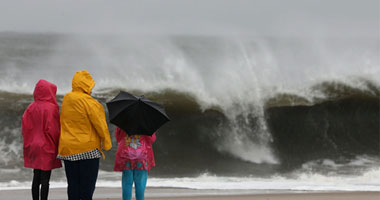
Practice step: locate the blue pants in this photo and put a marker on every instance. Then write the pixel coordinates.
(81, 178)
(139, 177)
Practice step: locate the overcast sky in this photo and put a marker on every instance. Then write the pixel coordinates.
(215, 17)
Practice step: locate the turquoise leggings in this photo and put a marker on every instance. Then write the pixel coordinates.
(139, 177)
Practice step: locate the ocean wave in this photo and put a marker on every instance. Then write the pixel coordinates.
(290, 136)
(326, 91)
(238, 107)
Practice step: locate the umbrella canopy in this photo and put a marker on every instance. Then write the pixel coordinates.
(136, 115)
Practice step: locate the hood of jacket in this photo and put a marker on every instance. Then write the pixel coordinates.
(45, 91)
(83, 82)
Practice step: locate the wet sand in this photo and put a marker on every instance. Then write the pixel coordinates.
(190, 194)
(293, 196)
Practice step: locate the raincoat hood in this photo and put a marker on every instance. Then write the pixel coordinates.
(83, 82)
(45, 91)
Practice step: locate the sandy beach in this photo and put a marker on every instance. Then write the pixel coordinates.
(298, 196)
(190, 194)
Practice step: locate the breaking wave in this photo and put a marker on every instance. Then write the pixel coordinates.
(261, 107)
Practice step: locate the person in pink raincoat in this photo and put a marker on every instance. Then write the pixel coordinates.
(41, 131)
(134, 157)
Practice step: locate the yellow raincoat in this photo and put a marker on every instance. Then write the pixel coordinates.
(83, 122)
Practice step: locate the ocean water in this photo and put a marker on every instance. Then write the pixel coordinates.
(246, 113)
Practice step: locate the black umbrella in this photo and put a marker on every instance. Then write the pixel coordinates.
(136, 115)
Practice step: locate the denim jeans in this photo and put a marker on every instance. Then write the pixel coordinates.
(139, 177)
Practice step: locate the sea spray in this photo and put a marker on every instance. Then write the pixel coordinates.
(225, 96)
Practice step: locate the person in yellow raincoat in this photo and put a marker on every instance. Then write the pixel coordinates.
(84, 133)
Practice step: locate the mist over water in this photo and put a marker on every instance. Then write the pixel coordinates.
(230, 91)
(220, 70)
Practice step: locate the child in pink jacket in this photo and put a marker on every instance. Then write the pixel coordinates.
(41, 131)
(134, 157)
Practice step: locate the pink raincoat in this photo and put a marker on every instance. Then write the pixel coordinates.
(41, 129)
(134, 152)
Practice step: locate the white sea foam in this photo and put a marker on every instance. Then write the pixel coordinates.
(11, 150)
(359, 163)
(368, 181)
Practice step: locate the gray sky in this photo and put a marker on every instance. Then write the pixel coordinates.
(215, 17)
